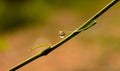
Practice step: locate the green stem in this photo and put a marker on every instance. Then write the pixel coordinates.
(74, 33)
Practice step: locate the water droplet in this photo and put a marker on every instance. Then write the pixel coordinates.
(61, 34)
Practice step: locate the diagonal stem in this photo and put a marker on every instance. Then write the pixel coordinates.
(74, 33)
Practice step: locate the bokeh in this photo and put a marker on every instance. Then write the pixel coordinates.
(27, 23)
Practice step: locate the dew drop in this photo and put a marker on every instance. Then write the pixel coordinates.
(61, 34)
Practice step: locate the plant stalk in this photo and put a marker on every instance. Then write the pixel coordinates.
(74, 33)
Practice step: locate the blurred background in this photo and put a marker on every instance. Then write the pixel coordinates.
(27, 23)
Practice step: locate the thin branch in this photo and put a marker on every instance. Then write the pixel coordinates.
(85, 26)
